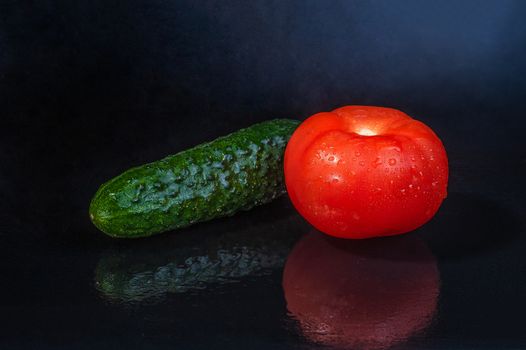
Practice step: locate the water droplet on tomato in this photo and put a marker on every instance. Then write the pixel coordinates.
(413, 158)
(392, 161)
(362, 163)
(357, 153)
(434, 183)
(377, 162)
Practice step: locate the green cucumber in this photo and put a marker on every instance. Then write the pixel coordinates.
(216, 179)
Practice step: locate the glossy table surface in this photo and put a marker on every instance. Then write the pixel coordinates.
(89, 89)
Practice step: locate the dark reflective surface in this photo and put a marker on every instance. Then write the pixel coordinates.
(361, 295)
(196, 261)
(91, 88)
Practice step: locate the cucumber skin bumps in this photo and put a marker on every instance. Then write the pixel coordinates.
(215, 179)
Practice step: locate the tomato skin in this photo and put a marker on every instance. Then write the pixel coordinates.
(363, 171)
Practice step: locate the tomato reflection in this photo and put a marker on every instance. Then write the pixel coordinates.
(368, 294)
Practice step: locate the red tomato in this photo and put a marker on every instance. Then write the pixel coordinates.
(369, 295)
(362, 171)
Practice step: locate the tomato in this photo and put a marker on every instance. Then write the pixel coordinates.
(370, 294)
(363, 171)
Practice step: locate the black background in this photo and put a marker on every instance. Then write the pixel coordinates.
(90, 88)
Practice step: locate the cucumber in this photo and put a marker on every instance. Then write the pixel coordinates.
(216, 179)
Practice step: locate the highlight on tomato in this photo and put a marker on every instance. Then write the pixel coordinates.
(363, 171)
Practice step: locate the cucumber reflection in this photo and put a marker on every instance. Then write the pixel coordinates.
(193, 261)
(369, 294)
